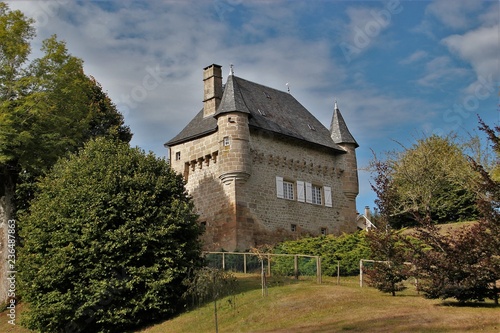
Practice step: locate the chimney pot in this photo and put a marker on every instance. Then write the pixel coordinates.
(367, 212)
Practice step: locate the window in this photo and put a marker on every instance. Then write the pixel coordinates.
(323, 231)
(177, 155)
(284, 189)
(316, 195)
(225, 141)
(288, 190)
(293, 227)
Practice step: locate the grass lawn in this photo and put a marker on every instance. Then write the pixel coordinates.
(309, 307)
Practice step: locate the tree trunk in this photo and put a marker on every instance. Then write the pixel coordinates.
(6, 211)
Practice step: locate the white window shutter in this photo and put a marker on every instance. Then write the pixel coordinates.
(309, 192)
(279, 187)
(328, 196)
(300, 191)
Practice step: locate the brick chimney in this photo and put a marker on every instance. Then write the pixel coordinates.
(212, 89)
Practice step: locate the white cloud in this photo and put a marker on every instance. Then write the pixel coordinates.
(455, 14)
(414, 57)
(440, 70)
(365, 28)
(479, 47)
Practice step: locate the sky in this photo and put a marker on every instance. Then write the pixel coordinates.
(399, 70)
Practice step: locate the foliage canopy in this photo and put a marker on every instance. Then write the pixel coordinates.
(430, 181)
(108, 242)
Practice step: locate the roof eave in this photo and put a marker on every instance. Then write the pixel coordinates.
(304, 141)
(189, 138)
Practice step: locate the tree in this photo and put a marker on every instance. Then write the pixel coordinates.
(48, 108)
(464, 265)
(108, 242)
(427, 183)
(389, 253)
(211, 284)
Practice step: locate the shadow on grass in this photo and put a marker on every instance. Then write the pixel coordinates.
(457, 304)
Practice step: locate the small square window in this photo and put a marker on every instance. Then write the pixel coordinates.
(293, 227)
(225, 141)
(323, 231)
(177, 156)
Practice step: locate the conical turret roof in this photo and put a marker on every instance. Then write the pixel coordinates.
(338, 129)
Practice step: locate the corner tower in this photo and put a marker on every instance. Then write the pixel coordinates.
(234, 135)
(348, 165)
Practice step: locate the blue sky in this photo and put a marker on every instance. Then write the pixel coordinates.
(399, 70)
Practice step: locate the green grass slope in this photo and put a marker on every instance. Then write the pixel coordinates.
(309, 307)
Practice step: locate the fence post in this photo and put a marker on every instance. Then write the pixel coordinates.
(361, 273)
(338, 272)
(268, 265)
(223, 262)
(244, 263)
(318, 269)
(296, 267)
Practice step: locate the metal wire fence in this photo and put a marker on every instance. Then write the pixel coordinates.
(274, 264)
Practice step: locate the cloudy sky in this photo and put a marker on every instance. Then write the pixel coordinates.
(399, 70)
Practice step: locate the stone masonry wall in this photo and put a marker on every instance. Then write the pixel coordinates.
(199, 162)
(265, 218)
(244, 212)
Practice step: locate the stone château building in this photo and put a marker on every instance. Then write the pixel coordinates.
(261, 168)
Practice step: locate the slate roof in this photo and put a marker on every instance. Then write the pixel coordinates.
(338, 129)
(269, 109)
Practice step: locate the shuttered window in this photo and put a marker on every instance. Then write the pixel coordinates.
(288, 190)
(316, 195)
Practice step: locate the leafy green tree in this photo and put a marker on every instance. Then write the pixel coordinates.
(427, 183)
(390, 268)
(464, 265)
(108, 242)
(48, 108)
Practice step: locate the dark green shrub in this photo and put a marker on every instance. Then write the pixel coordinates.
(108, 242)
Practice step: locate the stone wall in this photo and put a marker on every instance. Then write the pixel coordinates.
(269, 218)
(244, 211)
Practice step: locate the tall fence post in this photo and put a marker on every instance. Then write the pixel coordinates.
(318, 269)
(361, 273)
(338, 271)
(268, 265)
(244, 263)
(296, 267)
(223, 262)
